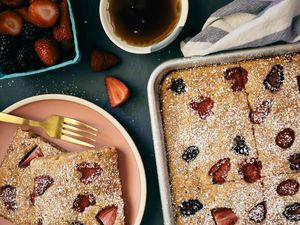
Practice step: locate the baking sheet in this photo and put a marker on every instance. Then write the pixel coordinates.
(155, 112)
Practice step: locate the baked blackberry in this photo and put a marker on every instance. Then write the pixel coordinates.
(9, 66)
(294, 161)
(190, 207)
(7, 47)
(27, 58)
(190, 153)
(240, 146)
(177, 85)
(292, 212)
(274, 79)
(77, 223)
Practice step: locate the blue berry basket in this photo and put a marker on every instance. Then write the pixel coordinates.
(75, 60)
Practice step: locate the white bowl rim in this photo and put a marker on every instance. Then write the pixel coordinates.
(98, 109)
(147, 49)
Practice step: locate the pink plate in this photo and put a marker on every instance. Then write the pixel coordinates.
(111, 133)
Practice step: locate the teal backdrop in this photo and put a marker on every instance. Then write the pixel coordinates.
(134, 70)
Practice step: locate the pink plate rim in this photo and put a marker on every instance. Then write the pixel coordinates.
(101, 111)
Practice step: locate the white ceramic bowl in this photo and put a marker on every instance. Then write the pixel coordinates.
(108, 28)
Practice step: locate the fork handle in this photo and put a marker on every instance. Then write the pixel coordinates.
(4, 117)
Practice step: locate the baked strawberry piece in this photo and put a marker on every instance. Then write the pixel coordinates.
(85, 185)
(15, 204)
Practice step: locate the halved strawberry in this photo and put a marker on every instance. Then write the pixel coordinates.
(43, 13)
(10, 23)
(23, 12)
(117, 91)
(47, 50)
(13, 3)
(63, 31)
(224, 216)
(108, 215)
(101, 60)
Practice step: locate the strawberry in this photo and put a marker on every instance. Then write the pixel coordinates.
(117, 91)
(251, 169)
(239, 77)
(107, 216)
(101, 60)
(285, 138)
(10, 23)
(13, 3)
(204, 107)
(34, 153)
(23, 12)
(47, 50)
(43, 13)
(90, 172)
(259, 115)
(224, 216)
(83, 201)
(63, 30)
(288, 187)
(220, 170)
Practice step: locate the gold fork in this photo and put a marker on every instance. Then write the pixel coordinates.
(59, 127)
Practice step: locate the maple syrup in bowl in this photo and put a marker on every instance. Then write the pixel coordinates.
(143, 26)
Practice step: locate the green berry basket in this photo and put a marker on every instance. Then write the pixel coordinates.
(71, 61)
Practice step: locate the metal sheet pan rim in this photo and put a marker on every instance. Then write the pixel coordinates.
(155, 113)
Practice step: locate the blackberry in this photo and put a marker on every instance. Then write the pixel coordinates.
(190, 207)
(9, 67)
(30, 33)
(77, 223)
(292, 212)
(7, 47)
(294, 161)
(190, 153)
(240, 146)
(177, 85)
(274, 79)
(27, 58)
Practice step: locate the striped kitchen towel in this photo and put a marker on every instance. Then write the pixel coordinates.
(246, 24)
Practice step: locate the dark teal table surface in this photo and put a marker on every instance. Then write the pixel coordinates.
(134, 70)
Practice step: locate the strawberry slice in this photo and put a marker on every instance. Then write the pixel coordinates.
(108, 215)
(47, 50)
(101, 60)
(63, 31)
(34, 153)
(43, 13)
(117, 91)
(13, 3)
(10, 23)
(224, 216)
